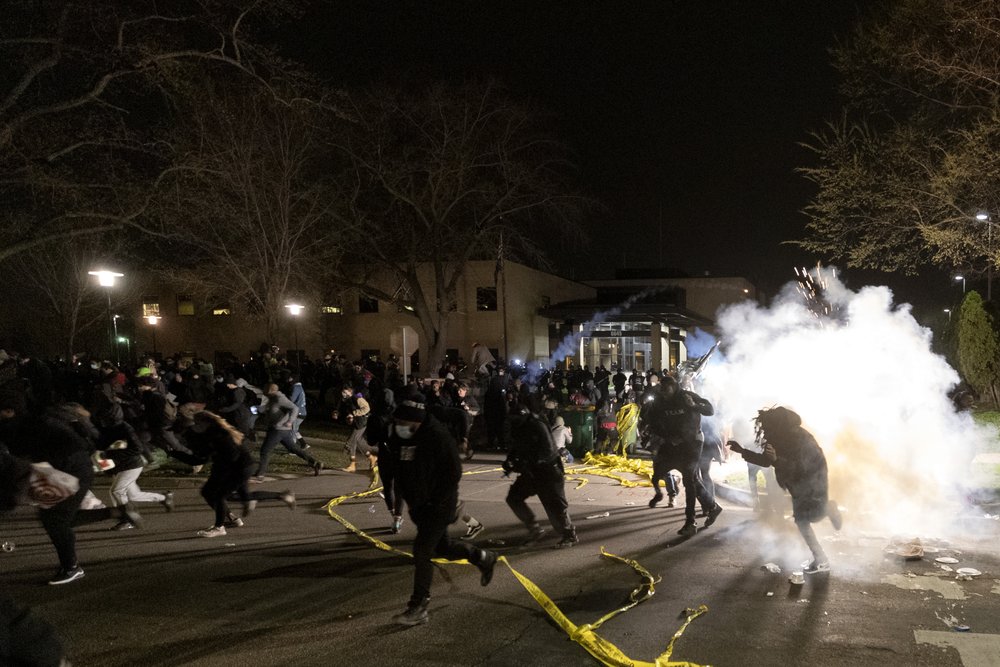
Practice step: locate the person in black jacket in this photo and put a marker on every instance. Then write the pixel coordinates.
(427, 471)
(232, 464)
(674, 419)
(533, 455)
(234, 408)
(49, 439)
(800, 468)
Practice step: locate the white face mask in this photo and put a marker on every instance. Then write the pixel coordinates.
(404, 431)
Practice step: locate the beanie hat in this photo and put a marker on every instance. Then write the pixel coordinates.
(143, 371)
(412, 408)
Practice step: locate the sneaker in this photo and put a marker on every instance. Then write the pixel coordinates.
(212, 531)
(317, 467)
(235, 522)
(487, 561)
(196, 469)
(414, 615)
(568, 541)
(534, 534)
(833, 511)
(397, 523)
(656, 499)
(689, 529)
(257, 479)
(123, 525)
(168, 501)
(713, 514)
(66, 576)
(289, 499)
(248, 507)
(671, 500)
(472, 530)
(130, 515)
(815, 568)
(469, 454)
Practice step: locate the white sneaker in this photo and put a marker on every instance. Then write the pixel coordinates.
(235, 522)
(213, 531)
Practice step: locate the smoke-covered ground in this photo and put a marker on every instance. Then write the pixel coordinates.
(867, 385)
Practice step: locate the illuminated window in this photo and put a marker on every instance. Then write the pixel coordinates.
(486, 298)
(150, 306)
(331, 310)
(222, 310)
(185, 305)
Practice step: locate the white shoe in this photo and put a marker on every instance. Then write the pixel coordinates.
(214, 531)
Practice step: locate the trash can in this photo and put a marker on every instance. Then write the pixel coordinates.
(580, 420)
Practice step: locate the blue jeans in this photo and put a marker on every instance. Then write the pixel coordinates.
(287, 439)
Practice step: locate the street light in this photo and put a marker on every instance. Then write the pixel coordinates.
(153, 319)
(948, 310)
(296, 310)
(107, 279)
(962, 278)
(982, 216)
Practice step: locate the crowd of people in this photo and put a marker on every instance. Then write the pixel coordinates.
(84, 416)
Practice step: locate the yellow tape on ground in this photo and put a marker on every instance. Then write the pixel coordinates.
(604, 651)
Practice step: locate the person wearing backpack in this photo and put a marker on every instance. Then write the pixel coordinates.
(355, 410)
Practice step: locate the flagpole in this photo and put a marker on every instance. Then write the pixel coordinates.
(503, 278)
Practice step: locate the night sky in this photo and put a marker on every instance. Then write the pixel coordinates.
(685, 112)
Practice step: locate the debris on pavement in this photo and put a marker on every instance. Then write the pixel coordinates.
(771, 567)
(602, 515)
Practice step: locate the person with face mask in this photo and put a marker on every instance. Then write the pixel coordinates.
(427, 471)
(800, 468)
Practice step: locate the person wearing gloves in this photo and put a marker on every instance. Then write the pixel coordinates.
(800, 468)
(562, 436)
(427, 471)
(533, 456)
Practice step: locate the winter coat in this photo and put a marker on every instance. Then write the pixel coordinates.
(427, 471)
(280, 412)
(800, 468)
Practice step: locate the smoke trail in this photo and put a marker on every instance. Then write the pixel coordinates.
(867, 385)
(568, 346)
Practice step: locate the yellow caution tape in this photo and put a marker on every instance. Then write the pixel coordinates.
(581, 481)
(604, 651)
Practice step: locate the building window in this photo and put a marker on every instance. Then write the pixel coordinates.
(331, 310)
(486, 298)
(185, 305)
(367, 304)
(150, 306)
(222, 310)
(404, 309)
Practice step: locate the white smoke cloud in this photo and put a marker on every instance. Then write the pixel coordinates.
(867, 386)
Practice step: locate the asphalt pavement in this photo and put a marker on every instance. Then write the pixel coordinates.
(295, 588)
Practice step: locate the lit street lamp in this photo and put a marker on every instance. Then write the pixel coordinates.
(296, 310)
(948, 310)
(153, 319)
(107, 279)
(962, 278)
(985, 217)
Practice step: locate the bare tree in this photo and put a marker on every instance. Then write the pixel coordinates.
(80, 102)
(253, 210)
(437, 178)
(916, 156)
(55, 297)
